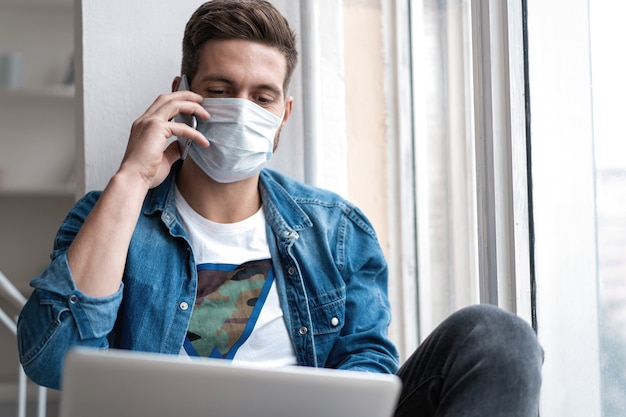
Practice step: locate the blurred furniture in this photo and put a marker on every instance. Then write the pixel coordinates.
(11, 294)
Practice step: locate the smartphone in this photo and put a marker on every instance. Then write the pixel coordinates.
(189, 119)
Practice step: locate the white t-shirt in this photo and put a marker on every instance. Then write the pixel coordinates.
(237, 314)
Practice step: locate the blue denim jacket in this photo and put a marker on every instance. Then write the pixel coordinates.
(330, 272)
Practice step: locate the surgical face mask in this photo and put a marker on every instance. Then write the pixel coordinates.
(241, 135)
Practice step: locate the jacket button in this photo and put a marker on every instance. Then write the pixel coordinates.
(184, 306)
(303, 330)
(73, 299)
(291, 270)
(334, 321)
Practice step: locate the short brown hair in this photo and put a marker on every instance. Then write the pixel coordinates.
(254, 20)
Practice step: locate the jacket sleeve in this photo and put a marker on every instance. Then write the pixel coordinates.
(364, 344)
(57, 316)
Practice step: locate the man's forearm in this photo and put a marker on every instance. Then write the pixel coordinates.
(98, 254)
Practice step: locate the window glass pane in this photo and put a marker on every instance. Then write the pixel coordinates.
(609, 90)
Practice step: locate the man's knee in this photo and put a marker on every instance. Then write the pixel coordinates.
(500, 335)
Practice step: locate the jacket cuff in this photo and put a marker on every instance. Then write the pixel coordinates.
(94, 316)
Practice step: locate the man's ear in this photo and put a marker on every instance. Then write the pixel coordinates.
(176, 83)
(288, 109)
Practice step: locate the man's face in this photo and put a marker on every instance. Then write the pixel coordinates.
(244, 69)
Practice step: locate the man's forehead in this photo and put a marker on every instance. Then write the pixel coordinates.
(236, 60)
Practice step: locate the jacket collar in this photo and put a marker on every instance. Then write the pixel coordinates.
(282, 212)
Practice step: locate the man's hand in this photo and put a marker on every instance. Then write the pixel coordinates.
(97, 255)
(146, 155)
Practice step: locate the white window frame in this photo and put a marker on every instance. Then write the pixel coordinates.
(502, 184)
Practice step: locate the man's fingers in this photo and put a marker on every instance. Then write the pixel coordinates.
(172, 153)
(163, 99)
(182, 129)
(167, 106)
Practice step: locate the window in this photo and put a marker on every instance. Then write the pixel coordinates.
(608, 67)
(520, 180)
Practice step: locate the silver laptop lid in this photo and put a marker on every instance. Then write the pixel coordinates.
(109, 383)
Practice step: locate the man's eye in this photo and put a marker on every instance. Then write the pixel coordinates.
(263, 100)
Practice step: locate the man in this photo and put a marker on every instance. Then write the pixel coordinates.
(199, 250)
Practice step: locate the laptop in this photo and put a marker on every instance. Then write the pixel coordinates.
(106, 383)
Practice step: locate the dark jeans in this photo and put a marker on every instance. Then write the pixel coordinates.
(481, 361)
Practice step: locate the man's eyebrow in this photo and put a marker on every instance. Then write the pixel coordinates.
(213, 78)
(270, 87)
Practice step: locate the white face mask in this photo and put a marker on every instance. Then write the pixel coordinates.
(241, 134)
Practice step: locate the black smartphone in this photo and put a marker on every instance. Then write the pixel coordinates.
(189, 119)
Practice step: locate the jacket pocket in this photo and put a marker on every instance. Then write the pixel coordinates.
(329, 318)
